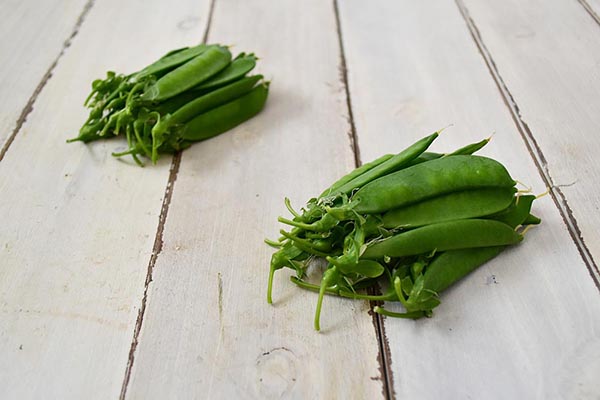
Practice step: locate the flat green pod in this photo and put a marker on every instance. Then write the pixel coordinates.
(452, 206)
(461, 234)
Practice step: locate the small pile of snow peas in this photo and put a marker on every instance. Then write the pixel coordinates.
(188, 95)
(413, 223)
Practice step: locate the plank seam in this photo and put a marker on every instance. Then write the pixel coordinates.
(590, 10)
(158, 243)
(343, 70)
(533, 148)
(156, 249)
(384, 357)
(45, 78)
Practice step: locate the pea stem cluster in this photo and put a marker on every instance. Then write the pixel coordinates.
(413, 223)
(188, 95)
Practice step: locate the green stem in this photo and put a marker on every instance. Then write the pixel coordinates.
(407, 315)
(303, 244)
(270, 286)
(329, 277)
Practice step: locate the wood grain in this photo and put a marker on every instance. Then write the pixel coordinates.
(32, 37)
(208, 331)
(525, 325)
(78, 225)
(547, 54)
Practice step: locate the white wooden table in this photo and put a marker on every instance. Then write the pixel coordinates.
(118, 281)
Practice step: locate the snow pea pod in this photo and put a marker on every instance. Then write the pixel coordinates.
(171, 60)
(234, 71)
(392, 164)
(227, 116)
(188, 75)
(213, 99)
(452, 206)
(465, 150)
(354, 174)
(468, 233)
(532, 220)
(451, 266)
(517, 212)
(430, 179)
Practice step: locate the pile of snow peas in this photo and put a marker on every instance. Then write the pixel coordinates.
(188, 95)
(413, 223)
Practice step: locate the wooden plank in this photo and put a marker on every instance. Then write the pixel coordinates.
(208, 331)
(526, 324)
(547, 56)
(78, 226)
(32, 36)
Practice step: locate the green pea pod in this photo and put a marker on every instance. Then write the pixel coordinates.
(532, 220)
(452, 206)
(450, 266)
(465, 150)
(468, 233)
(188, 75)
(197, 106)
(355, 173)
(392, 164)
(234, 71)
(469, 149)
(517, 212)
(173, 104)
(227, 116)
(430, 179)
(213, 99)
(171, 60)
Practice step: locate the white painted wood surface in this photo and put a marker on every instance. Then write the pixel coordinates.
(78, 226)
(207, 311)
(548, 54)
(527, 324)
(32, 35)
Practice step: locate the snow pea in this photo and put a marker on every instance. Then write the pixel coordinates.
(460, 234)
(188, 75)
(517, 212)
(392, 164)
(457, 205)
(430, 179)
(171, 60)
(239, 67)
(227, 116)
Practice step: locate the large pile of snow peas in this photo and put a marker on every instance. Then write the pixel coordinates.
(188, 95)
(414, 223)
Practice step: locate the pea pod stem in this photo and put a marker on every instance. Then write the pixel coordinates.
(303, 244)
(270, 285)
(406, 315)
(329, 277)
(343, 293)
